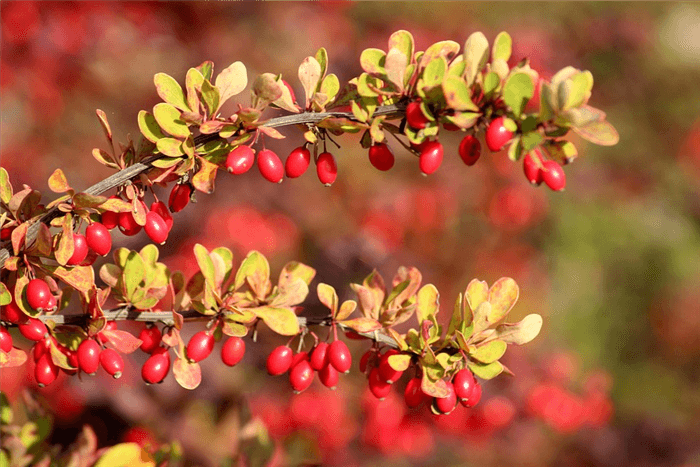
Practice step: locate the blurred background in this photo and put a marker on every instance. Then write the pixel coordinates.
(612, 263)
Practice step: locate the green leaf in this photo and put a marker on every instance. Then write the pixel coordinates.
(502, 47)
(486, 372)
(65, 244)
(464, 120)
(322, 59)
(517, 90)
(205, 264)
(6, 414)
(193, 84)
(85, 200)
(283, 321)
(548, 102)
(5, 295)
(400, 362)
(491, 82)
(126, 455)
(295, 270)
(602, 133)
(457, 94)
(575, 91)
(362, 324)
(58, 182)
(476, 54)
(5, 186)
(428, 303)
(515, 150)
(476, 293)
(372, 62)
(133, 273)
(434, 387)
(170, 91)
(457, 317)
(149, 127)
(434, 73)
(206, 69)
(489, 352)
(168, 118)
(400, 341)
(530, 140)
(210, 97)
(231, 81)
(256, 271)
(564, 152)
(403, 42)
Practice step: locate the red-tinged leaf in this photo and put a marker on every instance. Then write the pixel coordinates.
(231, 81)
(255, 270)
(102, 116)
(291, 295)
(502, 295)
(187, 374)
(434, 388)
(414, 278)
(362, 324)
(400, 362)
(116, 205)
(271, 132)
(266, 89)
(44, 242)
(18, 236)
(309, 76)
(103, 158)
(283, 321)
(522, 332)
(211, 126)
(58, 182)
(204, 179)
(346, 309)
(78, 277)
(328, 296)
(367, 301)
(233, 329)
(85, 200)
(65, 244)
(122, 341)
(295, 270)
(170, 91)
(172, 338)
(602, 133)
(477, 292)
(17, 200)
(59, 358)
(15, 357)
(375, 284)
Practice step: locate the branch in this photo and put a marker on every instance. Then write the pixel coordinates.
(138, 168)
(166, 317)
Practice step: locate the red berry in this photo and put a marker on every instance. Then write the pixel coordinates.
(112, 362)
(553, 175)
(326, 168)
(470, 149)
(381, 157)
(497, 135)
(329, 376)
(38, 294)
(270, 166)
(450, 126)
(297, 162)
(156, 228)
(12, 313)
(319, 356)
(90, 259)
(33, 329)
(5, 339)
(80, 250)
(463, 383)
(6, 233)
(386, 372)
(52, 304)
(98, 237)
(240, 160)
(414, 395)
(298, 358)
(89, 356)
(150, 337)
(380, 389)
(128, 225)
(45, 370)
(339, 356)
(179, 197)
(156, 367)
(110, 326)
(72, 356)
(232, 351)
(301, 376)
(108, 218)
(161, 209)
(474, 397)
(447, 404)
(364, 360)
(430, 157)
(415, 117)
(200, 346)
(533, 171)
(40, 348)
(279, 360)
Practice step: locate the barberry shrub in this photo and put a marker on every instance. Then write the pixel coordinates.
(48, 249)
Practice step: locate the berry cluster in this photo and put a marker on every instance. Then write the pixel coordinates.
(329, 360)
